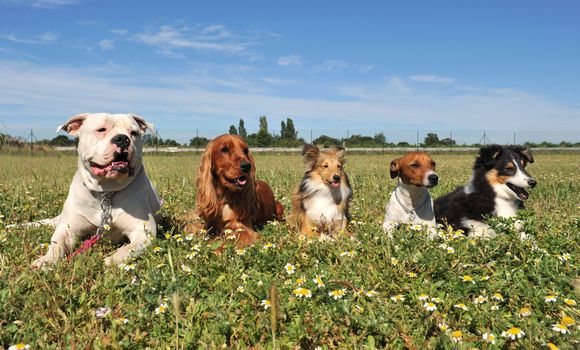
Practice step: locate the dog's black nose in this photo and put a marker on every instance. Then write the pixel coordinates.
(121, 140)
(433, 179)
(532, 183)
(246, 166)
(336, 178)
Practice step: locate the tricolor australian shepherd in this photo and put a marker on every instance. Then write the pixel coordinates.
(320, 202)
(497, 188)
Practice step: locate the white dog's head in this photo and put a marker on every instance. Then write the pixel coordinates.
(109, 146)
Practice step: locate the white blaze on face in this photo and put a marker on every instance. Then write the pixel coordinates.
(520, 179)
(426, 181)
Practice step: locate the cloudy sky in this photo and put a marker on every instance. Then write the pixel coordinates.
(332, 66)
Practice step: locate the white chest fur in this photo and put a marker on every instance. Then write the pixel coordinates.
(321, 204)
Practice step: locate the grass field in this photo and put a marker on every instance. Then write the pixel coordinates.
(370, 291)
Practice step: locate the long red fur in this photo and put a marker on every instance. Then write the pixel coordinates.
(222, 208)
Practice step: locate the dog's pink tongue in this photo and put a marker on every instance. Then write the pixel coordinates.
(335, 184)
(242, 182)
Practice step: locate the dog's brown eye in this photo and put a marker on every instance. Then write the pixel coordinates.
(133, 133)
(414, 165)
(325, 166)
(339, 166)
(101, 130)
(225, 150)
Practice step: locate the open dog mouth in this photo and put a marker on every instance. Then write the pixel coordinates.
(240, 181)
(120, 165)
(334, 184)
(520, 192)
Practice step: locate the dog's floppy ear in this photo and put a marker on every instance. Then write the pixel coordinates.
(310, 152)
(74, 123)
(206, 197)
(395, 167)
(340, 153)
(524, 152)
(488, 155)
(143, 124)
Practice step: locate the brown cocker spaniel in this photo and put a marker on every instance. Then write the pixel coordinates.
(228, 194)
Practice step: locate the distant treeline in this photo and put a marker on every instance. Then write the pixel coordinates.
(288, 137)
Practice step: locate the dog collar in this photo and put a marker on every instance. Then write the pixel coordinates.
(411, 212)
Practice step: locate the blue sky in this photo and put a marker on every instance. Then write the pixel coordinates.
(332, 66)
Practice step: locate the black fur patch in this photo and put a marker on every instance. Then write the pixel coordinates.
(454, 207)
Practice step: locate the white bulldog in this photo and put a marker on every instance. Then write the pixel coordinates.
(110, 165)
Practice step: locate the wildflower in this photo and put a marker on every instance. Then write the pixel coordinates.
(450, 250)
(196, 247)
(560, 328)
(186, 269)
(318, 281)
(513, 333)
(411, 274)
(240, 289)
(102, 312)
(128, 267)
(107, 227)
(228, 231)
(567, 321)
(288, 282)
(430, 306)
(161, 309)
(570, 302)
(422, 297)
(461, 306)
(456, 336)
(268, 246)
(494, 308)
(374, 293)
(350, 253)
(397, 298)
(189, 237)
(484, 278)
(266, 304)
(290, 269)
(337, 293)
(300, 281)
(178, 238)
(488, 338)
(191, 255)
(443, 326)
(497, 296)
(359, 309)
(394, 261)
(122, 320)
(302, 292)
(552, 346)
(480, 300)
(467, 278)
(565, 257)
(436, 300)
(525, 312)
(19, 346)
(241, 251)
(157, 249)
(550, 298)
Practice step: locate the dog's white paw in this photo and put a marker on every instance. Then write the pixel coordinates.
(42, 261)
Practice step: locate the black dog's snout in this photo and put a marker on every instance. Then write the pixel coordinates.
(123, 141)
(336, 178)
(246, 166)
(433, 178)
(532, 183)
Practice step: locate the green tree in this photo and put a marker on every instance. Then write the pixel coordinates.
(242, 129)
(380, 139)
(431, 140)
(282, 130)
(326, 141)
(263, 137)
(62, 140)
(233, 130)
(198, 142)
(290, 132)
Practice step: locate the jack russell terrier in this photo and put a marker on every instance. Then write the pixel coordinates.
(410, 202)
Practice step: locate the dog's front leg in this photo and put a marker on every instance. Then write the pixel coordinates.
(140, 237)
(62, 242)
(246, 235)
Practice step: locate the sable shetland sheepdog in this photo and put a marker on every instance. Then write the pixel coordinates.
(497, 188)
(320, 202)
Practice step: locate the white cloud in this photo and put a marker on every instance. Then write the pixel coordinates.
(42, 39)
(45, 96)
(213, 38)
(290, 60)
(119, 32)
(332, 65)
(42, 3)
(106, 44)
(432, 79)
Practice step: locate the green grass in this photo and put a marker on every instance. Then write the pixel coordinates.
(218, 302)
